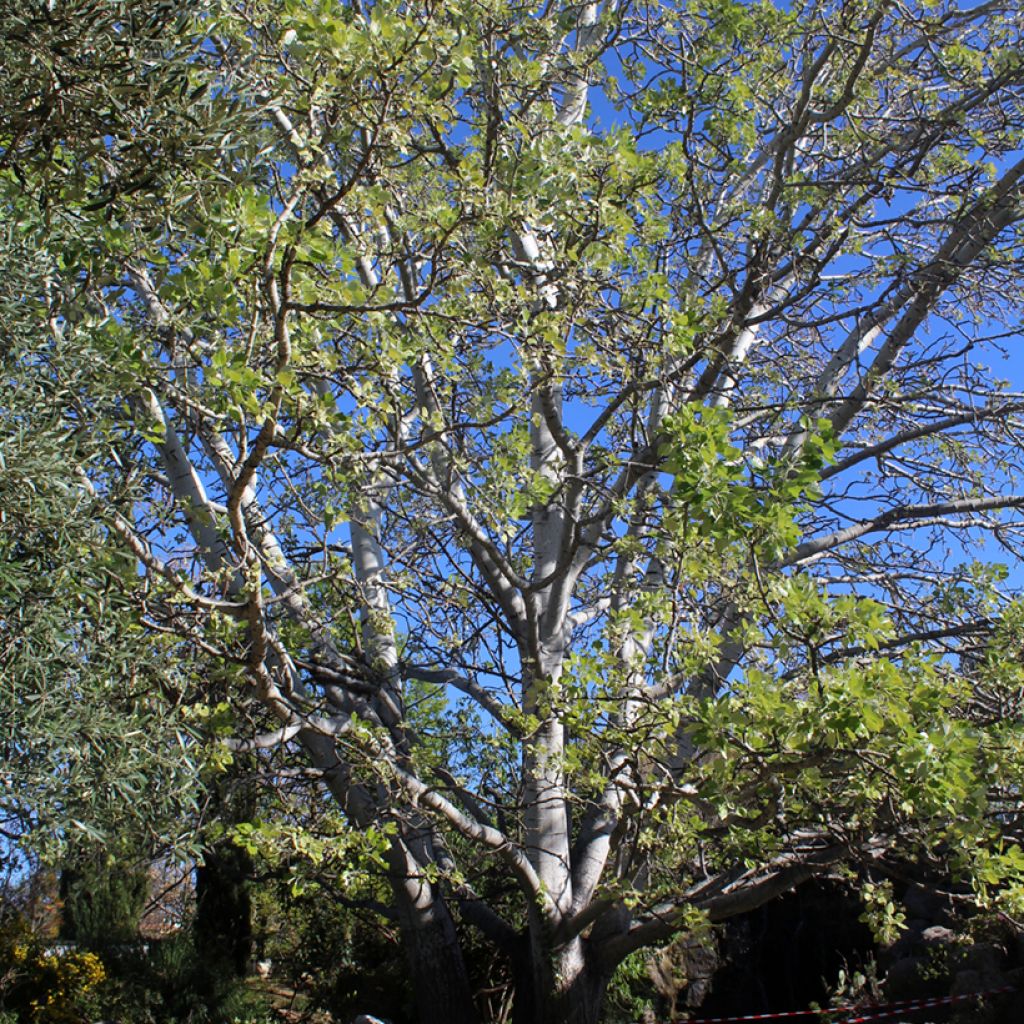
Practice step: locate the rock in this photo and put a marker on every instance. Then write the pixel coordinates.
(922, 902)
(965, 982)
(682, 973)
(974, 1011)
(909, 940)
(905, 980)
(987, 960)
(938, 935)
(1012, 1005)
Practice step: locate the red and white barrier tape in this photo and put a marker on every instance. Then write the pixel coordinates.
(765, 1016)
(913, 1005)
(841, 1014)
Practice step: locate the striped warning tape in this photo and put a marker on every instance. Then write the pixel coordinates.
(842, 1014)
(912, 1005)
(767, 1016)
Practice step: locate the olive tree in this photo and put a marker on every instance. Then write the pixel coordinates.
(95, 748)
(570, 428)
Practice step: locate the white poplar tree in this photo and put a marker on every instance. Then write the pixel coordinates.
(618, 375)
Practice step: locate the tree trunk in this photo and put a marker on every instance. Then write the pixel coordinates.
(440, 982)
(222, 929)
(559, 988)
(438, 974)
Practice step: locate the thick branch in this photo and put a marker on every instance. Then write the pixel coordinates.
(811, 549)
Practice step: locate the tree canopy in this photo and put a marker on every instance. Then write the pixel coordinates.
(576, 435)
(95, 747)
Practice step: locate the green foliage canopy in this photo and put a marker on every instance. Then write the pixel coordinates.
(646, 435)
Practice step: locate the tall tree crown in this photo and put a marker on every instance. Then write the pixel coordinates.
(620, 373)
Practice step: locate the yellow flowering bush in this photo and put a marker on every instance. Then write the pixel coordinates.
(68, 979)
(46, 987)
